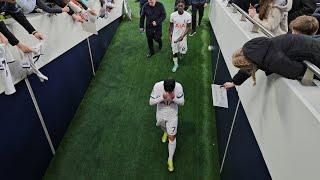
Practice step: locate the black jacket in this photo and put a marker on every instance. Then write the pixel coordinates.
(283, 55)
(16, 14)
(301, 7)
(156, 13)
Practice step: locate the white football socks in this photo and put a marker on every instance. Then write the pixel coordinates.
(172, 147)
(175, 61)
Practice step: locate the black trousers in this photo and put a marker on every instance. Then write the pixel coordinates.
(195, 9)
(154, 34)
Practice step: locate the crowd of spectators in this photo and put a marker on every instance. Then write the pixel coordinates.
(17, 9)
(294, 24)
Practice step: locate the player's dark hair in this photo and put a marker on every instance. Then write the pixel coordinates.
(169, 84)
(180, 1)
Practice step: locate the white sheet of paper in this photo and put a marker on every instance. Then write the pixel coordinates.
(90, 27)
(219, 96)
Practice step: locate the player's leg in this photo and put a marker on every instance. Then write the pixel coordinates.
(150, 36)
(158, 36)
(201, 11)
(175, 62)
(194, 9)
(172, 131)
(175, 51)
(183, 48)
(162, 124)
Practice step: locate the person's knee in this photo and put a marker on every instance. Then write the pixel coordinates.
(171, 138)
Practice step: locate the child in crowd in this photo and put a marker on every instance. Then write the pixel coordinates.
(307, 25)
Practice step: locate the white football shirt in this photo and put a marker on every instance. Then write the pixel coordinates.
(180, 23)
(167, 110)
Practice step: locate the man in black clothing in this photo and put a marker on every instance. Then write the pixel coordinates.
(142, 3)
(301, 7)
(155, 13)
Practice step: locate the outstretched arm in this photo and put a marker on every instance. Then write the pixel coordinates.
(142, 17)
(184, 33)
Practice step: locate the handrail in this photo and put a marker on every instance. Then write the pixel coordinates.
(311, 68)
(246, 15)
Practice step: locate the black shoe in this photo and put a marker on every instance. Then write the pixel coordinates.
(149, 55)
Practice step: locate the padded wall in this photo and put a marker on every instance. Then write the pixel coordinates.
(24, 150)
(243, 160)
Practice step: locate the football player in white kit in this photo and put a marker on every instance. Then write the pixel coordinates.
(180, 22)
(168, 95)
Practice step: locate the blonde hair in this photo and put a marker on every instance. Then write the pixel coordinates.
(307, 25)
(240, 61)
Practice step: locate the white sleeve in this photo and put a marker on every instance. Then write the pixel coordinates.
(155, 97)
(171, 18)
(179, 96)
(189, 19)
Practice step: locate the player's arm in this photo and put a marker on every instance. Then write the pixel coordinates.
(179, 97)
(155, 98)
(142, 17)
(187, 30)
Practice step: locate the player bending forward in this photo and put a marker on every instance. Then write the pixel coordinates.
(167, 95)
(180, 22)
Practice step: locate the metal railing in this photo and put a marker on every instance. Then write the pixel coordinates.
(312, 70)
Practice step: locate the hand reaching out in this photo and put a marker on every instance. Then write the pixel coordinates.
(3, 39)
(228, 85)
(24, 48)
(39, 36)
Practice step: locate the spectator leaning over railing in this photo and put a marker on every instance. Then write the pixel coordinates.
(73, 4)
(106, 8)
(301, 7)
(29, 6)
(283, 55)
(307, 25)
(273, 15)
(9, 8)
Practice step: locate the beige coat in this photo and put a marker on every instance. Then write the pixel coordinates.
(277, 18)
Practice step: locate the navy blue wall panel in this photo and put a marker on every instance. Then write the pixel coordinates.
(24, 151)
(101, 42)
(22, 141)
(69, 76)
(244, 160)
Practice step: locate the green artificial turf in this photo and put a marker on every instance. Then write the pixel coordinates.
(113, 134)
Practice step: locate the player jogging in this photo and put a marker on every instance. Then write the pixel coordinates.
(168, 95)
(180, 22)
